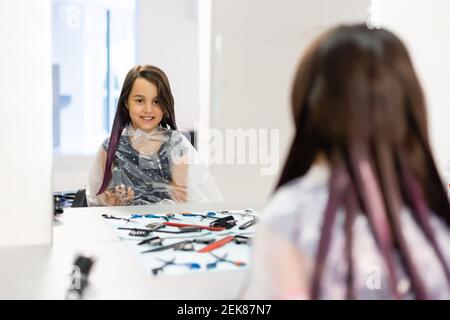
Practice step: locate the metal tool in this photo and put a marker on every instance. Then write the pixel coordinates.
(227, 222)
(176, 246)
(249, 223)
(209, 215)
(167, 216)
(108, 216)
(190, 265)
(212, 265)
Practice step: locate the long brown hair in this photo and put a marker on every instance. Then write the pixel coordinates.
(122, 117)
(357, 100)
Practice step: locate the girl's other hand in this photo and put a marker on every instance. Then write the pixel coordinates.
(119, 196)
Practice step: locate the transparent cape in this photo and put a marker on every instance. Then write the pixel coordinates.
(159, 167)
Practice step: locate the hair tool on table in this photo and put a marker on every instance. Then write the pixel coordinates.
(138, 232)
(208, 215)
(213, 265)
(227, 222)
(238, 239)
(185, 245)
(158, 241)
(245, 214)
(79, 277)
(111, 217)
(180, 225)
(190, 265)
(249, 223)
(167, 216)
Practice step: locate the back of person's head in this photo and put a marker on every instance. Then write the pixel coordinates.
(357, 101)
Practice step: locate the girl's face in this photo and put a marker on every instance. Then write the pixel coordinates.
(144, 105)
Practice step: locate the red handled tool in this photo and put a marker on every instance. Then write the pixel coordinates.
(174, 224)
(216, 244)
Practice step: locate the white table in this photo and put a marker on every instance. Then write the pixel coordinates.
(42, 272)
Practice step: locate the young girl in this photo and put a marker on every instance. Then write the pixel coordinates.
(146, 160)
(360, 211)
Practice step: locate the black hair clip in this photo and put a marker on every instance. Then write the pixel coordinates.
(227, 222)
(80, 273)
(242, 240)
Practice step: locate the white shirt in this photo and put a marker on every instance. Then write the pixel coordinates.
(288, 235)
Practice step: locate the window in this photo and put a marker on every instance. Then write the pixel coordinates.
(93, 47)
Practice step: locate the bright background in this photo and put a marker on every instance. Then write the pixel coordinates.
(230, 64)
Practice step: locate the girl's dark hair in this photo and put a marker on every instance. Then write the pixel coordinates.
(122, 117)
(357, 100)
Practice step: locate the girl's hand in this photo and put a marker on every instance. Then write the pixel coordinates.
(119, 196)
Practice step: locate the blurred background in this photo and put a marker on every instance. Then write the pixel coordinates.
(230, 64)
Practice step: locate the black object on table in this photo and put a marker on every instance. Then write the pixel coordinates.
(79, 278)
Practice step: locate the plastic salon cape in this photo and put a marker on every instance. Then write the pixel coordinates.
(160, 167)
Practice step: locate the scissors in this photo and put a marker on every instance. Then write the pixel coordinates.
(212, 265)
(190, 265)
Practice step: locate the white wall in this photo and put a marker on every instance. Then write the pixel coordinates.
(70, 172)
(257, 46)
(26, 122)
(424, 27)
(168, 38)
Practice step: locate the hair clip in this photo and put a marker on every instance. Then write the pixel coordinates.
(155, 226)
(242, 239)
(249, 223)
(227, 222)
